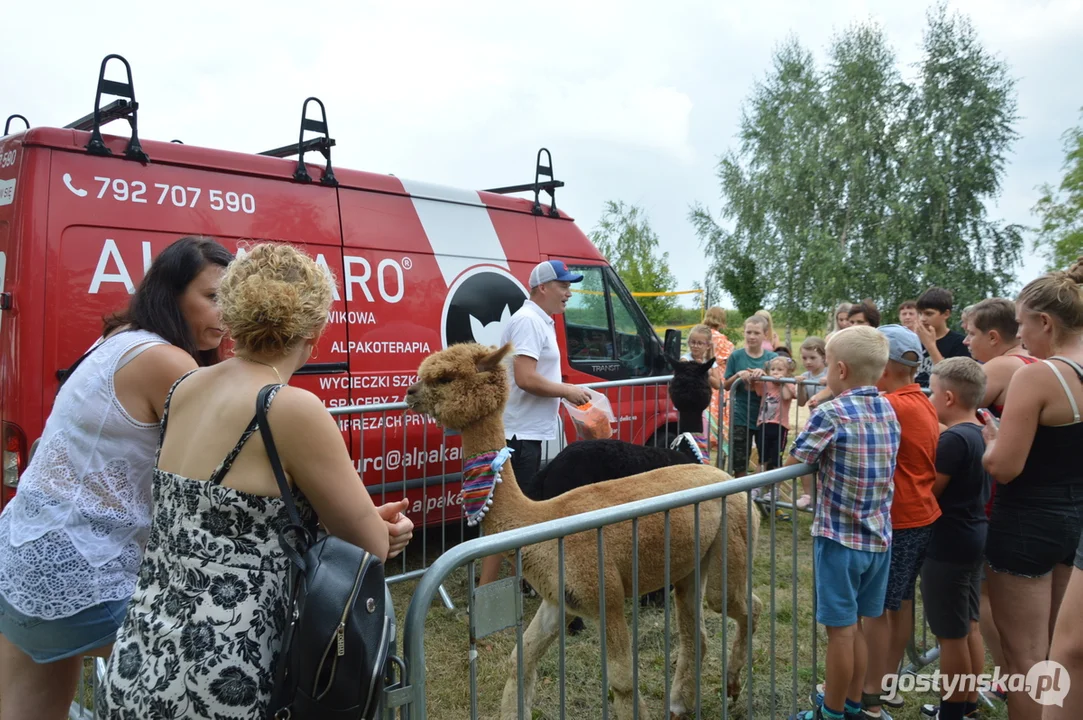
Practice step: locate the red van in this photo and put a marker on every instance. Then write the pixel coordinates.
(417, 267)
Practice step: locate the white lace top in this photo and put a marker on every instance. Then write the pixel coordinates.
(73, 536)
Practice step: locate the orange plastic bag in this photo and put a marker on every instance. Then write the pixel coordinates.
(594, 420)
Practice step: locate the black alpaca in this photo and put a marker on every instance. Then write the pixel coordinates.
(591, 461)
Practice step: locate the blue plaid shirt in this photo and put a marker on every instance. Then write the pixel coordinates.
(855, 439)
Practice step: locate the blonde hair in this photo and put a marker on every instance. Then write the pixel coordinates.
(964, 377)
(770, 331)
(701, 329)
(757, 320)
(787, 364)
(842, 309)
(816, 345)
(273, 298)
(714, 318)
(1059, 295)
(864, 349)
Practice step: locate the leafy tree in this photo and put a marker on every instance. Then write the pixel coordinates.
(624, 236)
(769, 192)
(1060, 232)
(958, 134)
(859, 179)
(849, 183)
(741, 280)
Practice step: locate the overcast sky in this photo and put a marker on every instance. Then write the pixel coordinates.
(636, 100)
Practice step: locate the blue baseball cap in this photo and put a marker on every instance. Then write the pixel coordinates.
(901, 341)
(551, 270)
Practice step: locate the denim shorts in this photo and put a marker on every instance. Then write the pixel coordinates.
(1030, 541)
(849, 583)
(51, 640)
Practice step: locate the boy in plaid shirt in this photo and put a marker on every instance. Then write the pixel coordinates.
(855, 439)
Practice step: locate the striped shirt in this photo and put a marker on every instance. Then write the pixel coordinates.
(855, 440)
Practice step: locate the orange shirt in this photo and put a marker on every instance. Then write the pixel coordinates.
(915, 505)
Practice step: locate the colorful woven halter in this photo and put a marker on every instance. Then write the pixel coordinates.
(701, 442)
(481, 473)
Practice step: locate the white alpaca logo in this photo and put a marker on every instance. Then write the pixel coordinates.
(489, 334)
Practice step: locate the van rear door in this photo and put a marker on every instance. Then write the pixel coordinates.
(15, 449)
(110, 217)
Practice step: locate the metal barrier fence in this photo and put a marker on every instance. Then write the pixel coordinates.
(500, 605)
(644, 416)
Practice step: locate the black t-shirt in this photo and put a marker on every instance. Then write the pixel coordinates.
(959, 533)
(951, 345)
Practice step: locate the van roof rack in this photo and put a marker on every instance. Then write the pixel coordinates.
(321, 145)
(539, 185)
(7, 125)
(124, 108)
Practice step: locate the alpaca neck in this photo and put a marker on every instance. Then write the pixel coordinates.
(690, 422)
(511, 508)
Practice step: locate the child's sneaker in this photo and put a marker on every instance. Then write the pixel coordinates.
(803, 502)
(933, 711)
(817, 699)
(895, 701)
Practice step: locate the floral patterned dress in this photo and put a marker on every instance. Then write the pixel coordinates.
(723, 347)
(203, 629)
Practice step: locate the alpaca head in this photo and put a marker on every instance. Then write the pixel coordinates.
(690, 390)
(461, 385)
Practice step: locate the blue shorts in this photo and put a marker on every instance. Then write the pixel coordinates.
(51, 640)
(849, 583)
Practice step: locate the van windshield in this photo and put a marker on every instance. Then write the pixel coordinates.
(603, 324)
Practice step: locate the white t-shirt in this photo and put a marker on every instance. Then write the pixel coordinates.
(532, 333)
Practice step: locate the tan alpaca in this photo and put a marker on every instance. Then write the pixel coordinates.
(464, 388)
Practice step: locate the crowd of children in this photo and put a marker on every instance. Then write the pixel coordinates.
(905, 434)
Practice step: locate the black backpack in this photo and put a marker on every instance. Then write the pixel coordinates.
(337, 637)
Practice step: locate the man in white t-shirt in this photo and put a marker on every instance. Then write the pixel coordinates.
(533, 407)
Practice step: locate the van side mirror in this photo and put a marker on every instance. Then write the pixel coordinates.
(672, 344)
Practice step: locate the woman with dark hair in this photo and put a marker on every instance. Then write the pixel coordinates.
(72, 539)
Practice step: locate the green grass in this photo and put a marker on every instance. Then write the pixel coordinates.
(447, 647)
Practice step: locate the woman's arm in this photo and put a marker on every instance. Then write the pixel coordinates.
(1006, 450)
(312, 451)
(142, 385)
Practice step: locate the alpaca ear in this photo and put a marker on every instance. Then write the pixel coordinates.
(491, 361)
(707, 365)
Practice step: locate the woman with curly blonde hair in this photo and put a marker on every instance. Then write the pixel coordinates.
(715, 319)
(202, 633)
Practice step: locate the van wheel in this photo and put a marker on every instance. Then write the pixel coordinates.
(663, 436)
